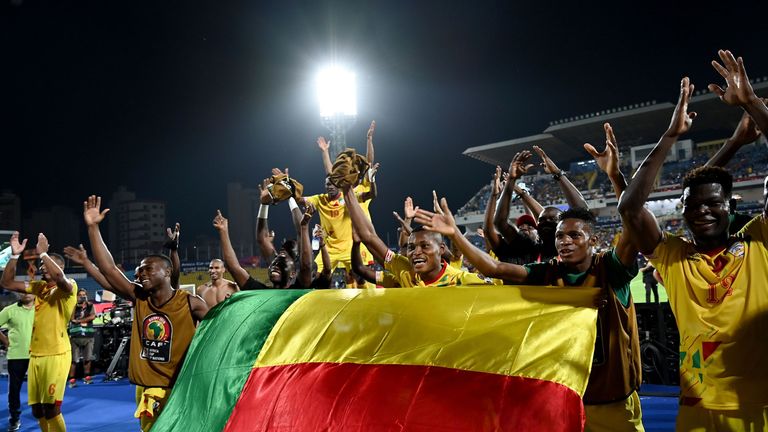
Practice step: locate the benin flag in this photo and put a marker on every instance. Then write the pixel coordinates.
(490, 358)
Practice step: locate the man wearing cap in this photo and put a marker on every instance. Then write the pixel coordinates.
(524, 247)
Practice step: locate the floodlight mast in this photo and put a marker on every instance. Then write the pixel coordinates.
(337, 95)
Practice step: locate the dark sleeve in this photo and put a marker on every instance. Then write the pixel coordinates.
(91, 309)
(619, 276)
(253, 284)
(536, 272)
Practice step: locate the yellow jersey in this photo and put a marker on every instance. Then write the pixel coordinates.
(401, 270)
(53, 310)
(338, 226)
(720, 304)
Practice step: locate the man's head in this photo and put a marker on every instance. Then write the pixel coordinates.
(58, 259)
(291, 248)
(548, 219)
(331, 190)
(575, 236)
(154, 273)
(282, 271)
(527, 226)
(27, 298)
(216, 269)
(82, 296)
(706, 196)
(425, 250)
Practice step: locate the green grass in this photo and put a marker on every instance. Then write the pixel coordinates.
(638, 290)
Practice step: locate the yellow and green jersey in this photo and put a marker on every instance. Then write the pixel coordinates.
(53, 310)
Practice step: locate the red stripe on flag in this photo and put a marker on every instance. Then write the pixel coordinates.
(379, 397)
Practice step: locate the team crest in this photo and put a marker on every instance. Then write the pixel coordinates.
(737, 249)
(156, 338)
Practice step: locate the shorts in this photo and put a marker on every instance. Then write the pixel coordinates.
(82, 347)
(150, 401)
(695, 419)
(48, 378)
(624, 415)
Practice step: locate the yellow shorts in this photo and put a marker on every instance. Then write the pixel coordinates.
(695, 419)
(149, 403)
(624, 415)
(48, 378)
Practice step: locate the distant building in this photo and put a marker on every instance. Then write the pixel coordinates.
(242, 208)
(10, 211)
(137, 227)
(61, 225)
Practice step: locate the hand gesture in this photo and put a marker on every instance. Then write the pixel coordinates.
(323, 144)
(435, 203)
(746, 131)
(408, 210)
(496, 182)
(608, 159)
(264, 196)
(738, 90)
(373, 169)
(309, 210)
(519, 165)
(319, 233)
(681, 118)
(172, 242)
(403, 224)
(547, 163)
(42, 244)
(277, 172)
(16, 247)
(91, 211)
(371, 129)
(76, 255)
(442, 223)
(220, 222)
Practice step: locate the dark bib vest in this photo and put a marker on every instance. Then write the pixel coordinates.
(160, 337)
(616, 366)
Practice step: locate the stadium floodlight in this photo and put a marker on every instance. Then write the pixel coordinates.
(337, 92)
(337, 97)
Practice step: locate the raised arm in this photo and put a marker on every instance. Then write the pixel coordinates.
(608, 160)
(8, 280)
(491, 236)
(263, 239)
(572, 195)
(228, 253)
(80, 256)
(305, 248)
(369, 143)
(324, 150)
(405, 222)
(364, 227)
(373, 190)
(53, 269)
(517, 168)
(116, 280)
(172, 244)
(446, 225)
(641, 226)
(319, 233)
(358, 267)
(738, 89)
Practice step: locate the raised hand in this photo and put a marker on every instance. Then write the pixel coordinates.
(403, 224)
(172, 242)
(608, 159)
(220, 222)
(16, 247)
(519, 165)
(91, 211)
(442, 223)
(277, 172)
(264, 196)
(738, 89)
(42, 244)
(76, 255)
(435, 203)
(323, 144)
(546, 163)
(373, 169)
(746, 131)
(681, 119)
(309, 210)
(369, 135)
(408, 210)
(319, 233)
(496, 182)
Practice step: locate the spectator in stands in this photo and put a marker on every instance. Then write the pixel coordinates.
(611, 400)
(81, 337)
(164, 319)
(217, 289)
(715, 281)
(19, 318)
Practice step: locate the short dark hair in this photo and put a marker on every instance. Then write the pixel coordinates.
(58, 257)
(437, 235)
(291, 247)
(580, 213)
(161, 257)
(707, 175)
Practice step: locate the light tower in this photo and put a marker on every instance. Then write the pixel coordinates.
(337, 97)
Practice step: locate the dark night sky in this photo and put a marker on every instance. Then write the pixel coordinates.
(175, 99)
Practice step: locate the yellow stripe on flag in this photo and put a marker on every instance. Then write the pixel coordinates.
(545, 333)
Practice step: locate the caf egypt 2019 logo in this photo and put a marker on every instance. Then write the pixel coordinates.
(157, 338)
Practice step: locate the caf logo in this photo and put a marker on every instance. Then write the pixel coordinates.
(157, 328)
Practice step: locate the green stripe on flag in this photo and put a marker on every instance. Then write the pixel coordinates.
(220, 359)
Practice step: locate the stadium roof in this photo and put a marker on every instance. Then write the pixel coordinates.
(635, 125)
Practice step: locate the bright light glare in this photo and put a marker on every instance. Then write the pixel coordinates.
(337, 92)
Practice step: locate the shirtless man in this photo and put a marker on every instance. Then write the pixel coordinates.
(218, 289)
